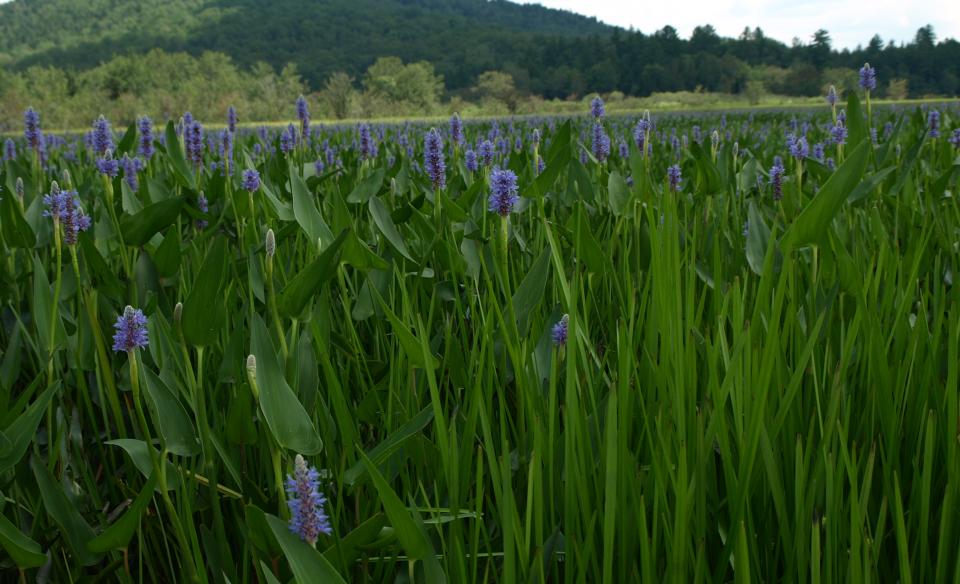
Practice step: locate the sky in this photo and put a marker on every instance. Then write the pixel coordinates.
(849, 22)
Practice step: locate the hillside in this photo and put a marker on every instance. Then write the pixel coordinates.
(320, 36)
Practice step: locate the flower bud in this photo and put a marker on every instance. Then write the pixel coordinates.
(271, 243)
(178, 312)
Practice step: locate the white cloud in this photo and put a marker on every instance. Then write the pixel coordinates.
(850, 22)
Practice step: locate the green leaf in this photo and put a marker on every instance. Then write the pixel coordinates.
(619, 193)
(24, 552)
(75, 530)
(203, 312)
(137, 449)
(284, 414)
(169, 416)
(117, 535)
(409, 343)
(16, 230)
(758, 238)
(381, 452)
(367, 188)
(347, 550)
(307, 564)
(21, 432)
(530, 292)
(167, 257)
(856, 122)
(138, 229)
(297, 293)
(306, 212)
(381, 216)
(812, 224)
(182, 172)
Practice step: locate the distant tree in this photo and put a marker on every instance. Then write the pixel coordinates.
(415, 84)
(898, 89)
(338, 93)
(497, 85)
(820, 48)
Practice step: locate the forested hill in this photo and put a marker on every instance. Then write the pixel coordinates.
(460, 37)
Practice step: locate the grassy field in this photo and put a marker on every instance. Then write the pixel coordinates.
(707, 347)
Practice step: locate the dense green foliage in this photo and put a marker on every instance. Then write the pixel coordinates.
(549, 53)
(750, 389)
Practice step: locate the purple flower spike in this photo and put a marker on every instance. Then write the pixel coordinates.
(131, 327)
(559, 331)
(868, 77)
(503, 192)
(251, 180)
(597, 108)
(308, 518)
(145, 147)
(776, 178)
(674, 177)
(31, 128)
(433, 159)
(102, 137)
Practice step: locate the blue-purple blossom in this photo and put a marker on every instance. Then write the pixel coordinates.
(204, 207)
(194, 142)
(145, 145)
(366, 142)
(799, 148)
(9, 150)
(486, 153)
(102, 137)
(131, 327)
(303, 114)
(955, 138)
(503, 192)
(623, 149)
(251, 180)
(433, 159)
(776, 178)
(601, 142)
(31, 128)
(64, 208)
(559, 331)
(107, 166)
(818, 152)
(674, 177)
(288, 140)
(470, 160)
(832, 96)
(868, 77)
(933, 121)
(839, 133)
(541, 164)
(640, 134)
(232, 119)
(308, 517)
(319, 167)
(456, 129)
(597, 109)
(131, 166)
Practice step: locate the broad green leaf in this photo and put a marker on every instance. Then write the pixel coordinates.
(24, 552)
(381, 216)
(137, 449)
(812, 224)
(758, 238)
(306, 212)
(307, 564)
(529, 293)
(283, 412)
(183, 173)
(300, 290)
(347, 550)
(619, 193)
(22, 431)
(167, 257)
(16, 231)
(76, 531)
(138, 229)
(856, 122)
(367, 188)
(169, 416)
(408, 342)
(117, 535)
(203, 312)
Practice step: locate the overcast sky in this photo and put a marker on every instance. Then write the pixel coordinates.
(850, 22)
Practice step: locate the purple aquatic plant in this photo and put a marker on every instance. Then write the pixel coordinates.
(433, 159)
(308, 517)
(503, 192)
(131, 327)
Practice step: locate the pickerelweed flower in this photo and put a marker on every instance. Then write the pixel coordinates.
(776, 178)
(933, 121)
(832, 96)
(145, 144)
(303, 114)
(868, 77)
(319, 166)
(559, 331)
(72, 218)
(818, 152)
(640, 134)
(366, 142)
(955, 138)
(204, 207)
(54, 202)
(288, 140)
(251, 180)
(226, 152)
(232, 119)
(503, 192)
(622, 149)
(470, 160)
(601, 142)
(456, 129)
(541, 164)
(831, 164)
(131, 327)
(839, 133)
(308, 516)
(107, 166)
(799, 148)
(131, 166)
(9, 150)
(486, 153)
(31, 128)
(674, 177)
(194, 142)
(102, 137)
(597, 109)
(433, 159)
